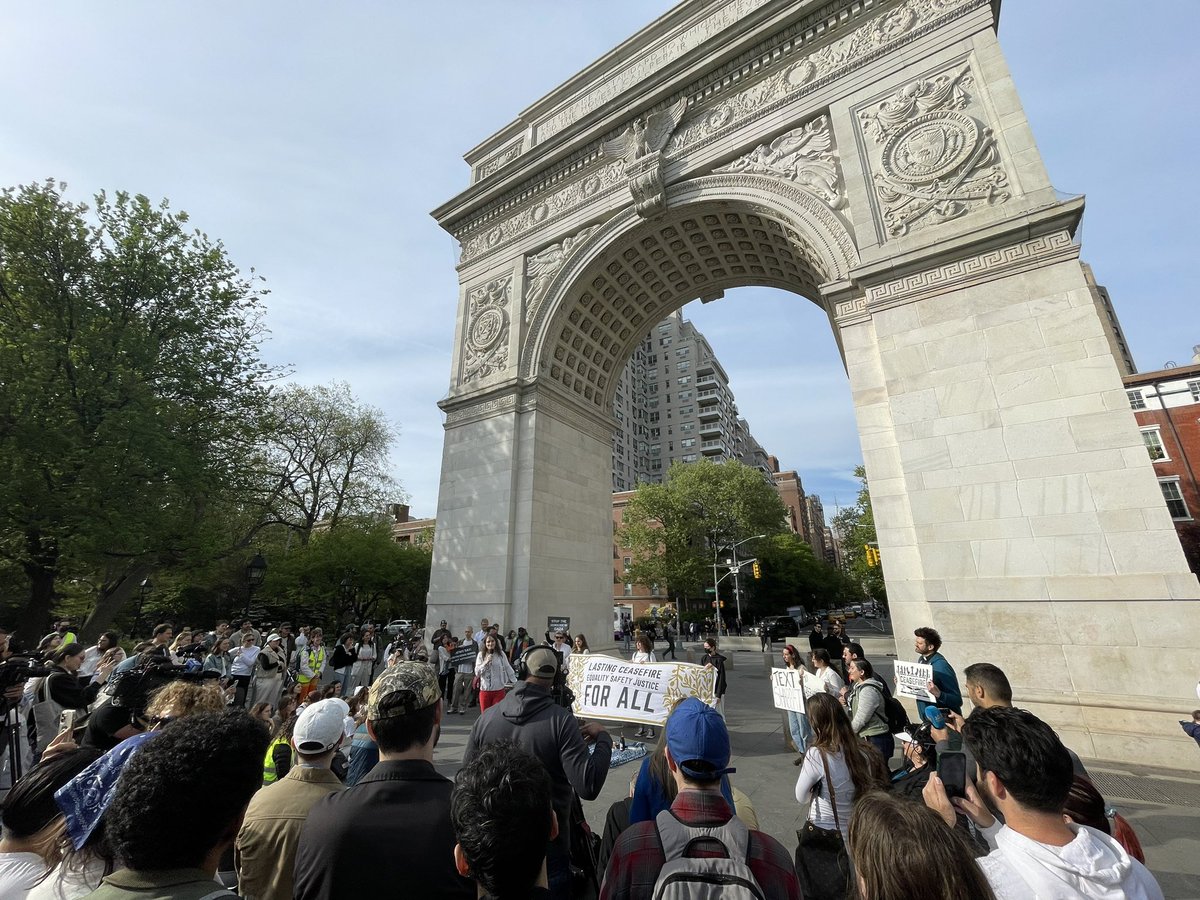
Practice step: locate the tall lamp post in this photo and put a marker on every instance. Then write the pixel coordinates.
(256, 571)
(350, 593)
(143, 590)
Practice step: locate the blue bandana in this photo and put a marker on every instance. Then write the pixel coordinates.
(85, 798)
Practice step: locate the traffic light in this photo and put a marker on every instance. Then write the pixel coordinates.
(757, 569)
(872, 555)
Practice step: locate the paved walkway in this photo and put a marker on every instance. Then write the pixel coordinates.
(1164, 806)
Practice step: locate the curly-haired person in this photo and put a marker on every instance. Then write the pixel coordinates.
(208, 764)
(503, 815)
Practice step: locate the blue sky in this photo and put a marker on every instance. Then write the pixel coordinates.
(315, 138)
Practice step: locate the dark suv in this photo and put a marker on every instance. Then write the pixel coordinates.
(780, 627)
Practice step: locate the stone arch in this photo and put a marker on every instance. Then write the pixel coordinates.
(718, 232)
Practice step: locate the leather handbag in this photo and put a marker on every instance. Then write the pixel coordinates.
(822, 864)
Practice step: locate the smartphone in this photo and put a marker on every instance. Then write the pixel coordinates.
(952, 769)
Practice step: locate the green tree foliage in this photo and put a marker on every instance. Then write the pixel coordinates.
(132, 389)
(856, 526)
(326, 458)
(793, 575)
(350, 574)
(672, 528)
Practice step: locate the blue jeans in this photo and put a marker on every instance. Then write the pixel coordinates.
(885, 744)
(800, 729)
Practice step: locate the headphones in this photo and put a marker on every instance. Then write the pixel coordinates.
(521, 667)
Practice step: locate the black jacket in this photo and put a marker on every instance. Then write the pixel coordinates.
(718, 663)
(395, 820)
(544, 729)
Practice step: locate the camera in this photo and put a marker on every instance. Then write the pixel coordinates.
(133, 688)
(18, 669)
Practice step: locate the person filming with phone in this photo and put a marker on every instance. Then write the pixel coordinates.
(1025, 773)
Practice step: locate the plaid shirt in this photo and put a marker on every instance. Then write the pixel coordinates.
(638, 856)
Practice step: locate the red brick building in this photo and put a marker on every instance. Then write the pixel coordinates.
(1167, 406)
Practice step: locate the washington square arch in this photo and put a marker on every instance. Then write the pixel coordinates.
(873, 158)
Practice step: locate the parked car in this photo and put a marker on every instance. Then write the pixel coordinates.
(400, 626)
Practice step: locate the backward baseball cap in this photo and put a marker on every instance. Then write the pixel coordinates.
(415, 683)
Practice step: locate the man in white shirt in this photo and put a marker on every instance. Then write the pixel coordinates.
(561, 646)
(1025, 772)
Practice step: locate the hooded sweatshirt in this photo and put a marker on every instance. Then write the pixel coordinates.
(1093, 866)
(530, 717)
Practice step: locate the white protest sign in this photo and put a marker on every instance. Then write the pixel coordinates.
(615, 690)
(912, 678)
(787, 689)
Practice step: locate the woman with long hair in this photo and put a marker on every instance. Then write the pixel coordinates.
(644, 654)
(495, 673)
(851, 764)
(183, 639)
(60, 691)
(903, 851)
(798, 725)
(220, 660)
(1085, 806)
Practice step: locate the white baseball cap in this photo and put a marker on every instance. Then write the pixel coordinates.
(321, 726)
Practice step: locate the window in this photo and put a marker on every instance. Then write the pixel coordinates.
(1154, 443)
(685, 395)
(685, 411)
(685, 380)
(1174, 498)
(664, 342)
(686, 443)
(683, 366)
(628, 562)
(1135, 399)
(1194, 387)
(689, 457)
(687, 426)
(682, 352)
(628, 589)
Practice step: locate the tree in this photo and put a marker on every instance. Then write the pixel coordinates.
(133, 392)
(856, 527)
(327, 458)
(674, 528)
(353, 574)
(793, 575)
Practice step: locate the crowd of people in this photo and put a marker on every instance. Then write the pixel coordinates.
(325, 787)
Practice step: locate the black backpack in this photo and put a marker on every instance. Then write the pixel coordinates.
(897, 716)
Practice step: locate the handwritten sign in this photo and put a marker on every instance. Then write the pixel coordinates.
(615, 690)
(911, 680)
(787, 689)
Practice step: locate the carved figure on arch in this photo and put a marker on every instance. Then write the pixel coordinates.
(804, 155)
(541, 267)
(648, 135)
(486, 347)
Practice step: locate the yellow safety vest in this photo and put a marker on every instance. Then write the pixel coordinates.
(320, 664)
(269, 774)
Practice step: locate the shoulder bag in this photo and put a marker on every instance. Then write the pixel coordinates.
(822, 864)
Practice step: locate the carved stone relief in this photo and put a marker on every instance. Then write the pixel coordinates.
(541, 267)
(935, 161)
(486, 346)
(495, 163)
(640, 146)
(713, 120)
(804, 155)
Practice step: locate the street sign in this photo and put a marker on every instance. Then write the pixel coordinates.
(710, 590)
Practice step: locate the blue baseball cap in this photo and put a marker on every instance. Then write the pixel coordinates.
(697, 733)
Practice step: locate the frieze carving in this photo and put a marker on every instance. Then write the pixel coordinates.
(640, 147)
(804, 155)
(486, 349)
(495, 163)
(541, 267)
(985, 266)
(850, 307)
(481, 410)
(632, 73)
(821, 66)
(936, 162)
(709, 123)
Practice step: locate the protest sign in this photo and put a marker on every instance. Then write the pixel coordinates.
(464, 654)
(787, 689)
(555, 624)
(615, 690)
(911, 680)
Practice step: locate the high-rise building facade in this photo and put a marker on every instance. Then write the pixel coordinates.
(673, 404)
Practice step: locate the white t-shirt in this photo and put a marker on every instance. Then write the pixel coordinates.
(642, 657)
(821, 812)
(19, 872)
(70, 885)
(243, 661)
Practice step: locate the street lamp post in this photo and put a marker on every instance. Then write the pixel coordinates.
(143, 589)
(350, 592)
(256, 571)
(735, 567)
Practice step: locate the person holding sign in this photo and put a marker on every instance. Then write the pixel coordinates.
(644, 654)
(798, 725)
(944, 684)
(463, 661)
(868, 713)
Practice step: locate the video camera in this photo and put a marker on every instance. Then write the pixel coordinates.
(133, 688)
(17, 670)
